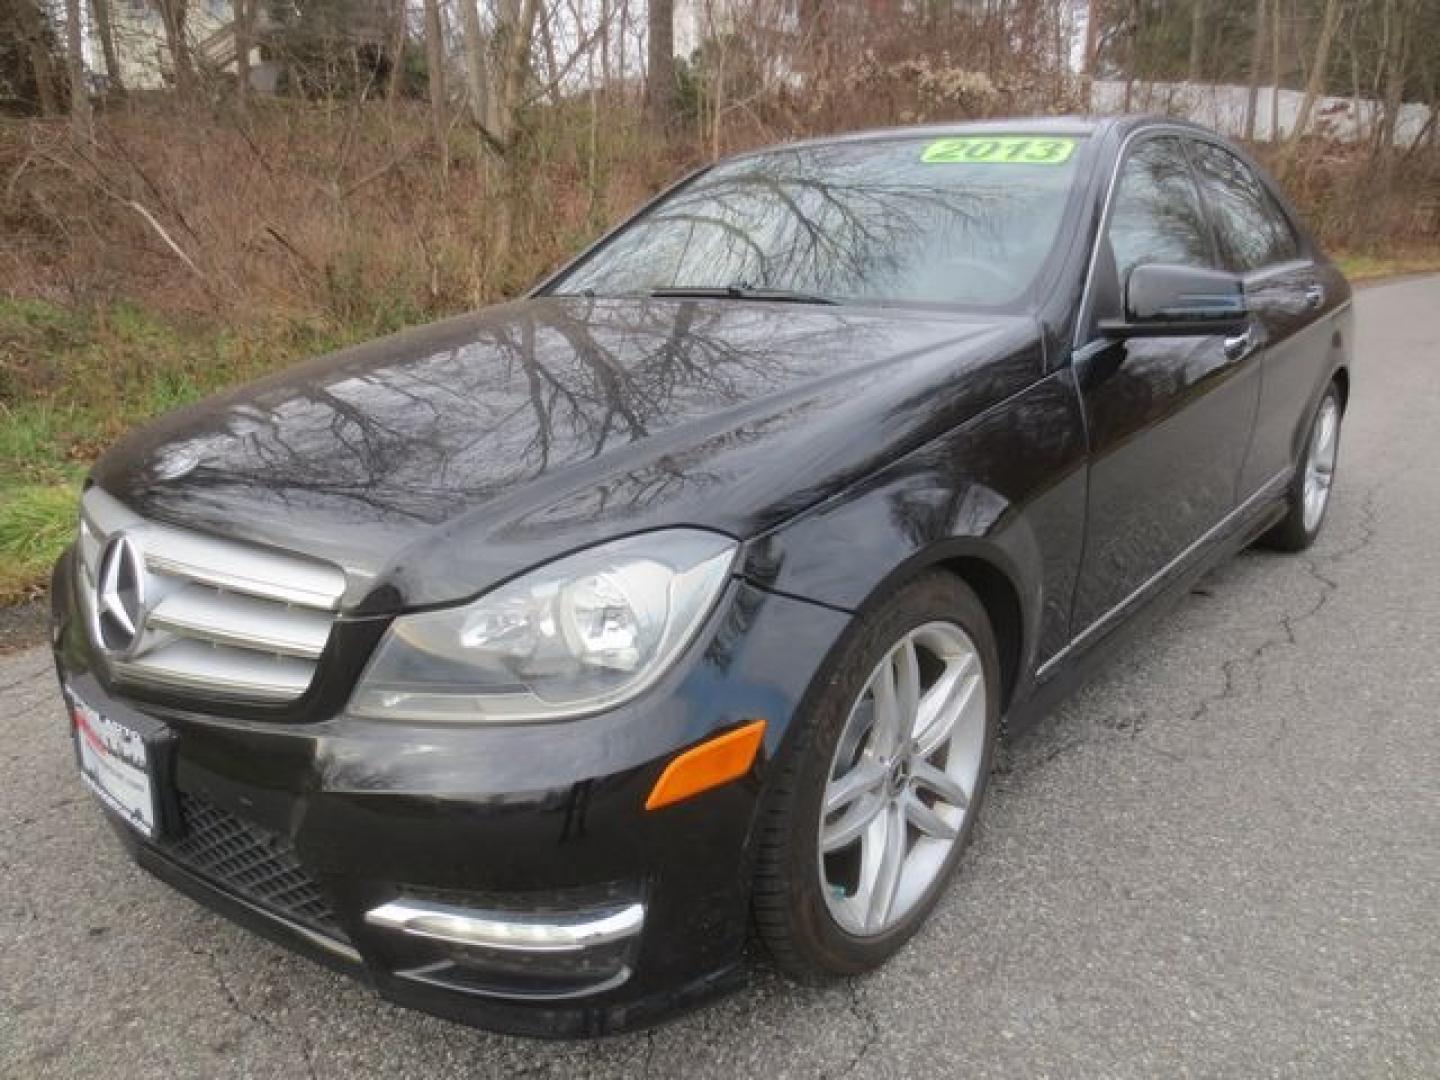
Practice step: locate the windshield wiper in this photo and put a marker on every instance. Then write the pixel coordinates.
(739, 291)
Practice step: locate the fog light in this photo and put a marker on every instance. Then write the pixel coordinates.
(514, 954)
(509, 931)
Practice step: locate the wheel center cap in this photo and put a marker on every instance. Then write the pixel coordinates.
(899, 775)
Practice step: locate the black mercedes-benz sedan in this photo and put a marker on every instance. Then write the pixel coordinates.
(534, 663)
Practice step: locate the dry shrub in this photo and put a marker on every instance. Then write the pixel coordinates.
(346, 215)
(1356, 200)
(954, 62)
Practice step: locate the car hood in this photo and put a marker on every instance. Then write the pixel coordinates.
(436, 462)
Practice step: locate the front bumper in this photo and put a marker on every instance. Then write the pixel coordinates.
(508, 877)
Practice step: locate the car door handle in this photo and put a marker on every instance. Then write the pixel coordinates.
(1241, 345)
(1314, 295)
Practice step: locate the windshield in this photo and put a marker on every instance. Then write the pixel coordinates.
(964, 220)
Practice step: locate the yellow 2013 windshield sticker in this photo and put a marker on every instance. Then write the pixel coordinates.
(999, 150)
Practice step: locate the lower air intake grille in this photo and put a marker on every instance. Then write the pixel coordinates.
(250, 862)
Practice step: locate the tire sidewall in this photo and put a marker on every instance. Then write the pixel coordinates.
(1308, 536)
(1331, 394)
(1290, 534)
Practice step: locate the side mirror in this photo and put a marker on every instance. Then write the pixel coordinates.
(1180, 301)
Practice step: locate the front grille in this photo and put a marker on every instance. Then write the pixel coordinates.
(250, 862)
(215, 617)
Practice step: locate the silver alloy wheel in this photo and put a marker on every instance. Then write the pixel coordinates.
(1320, 464)
(902, 778)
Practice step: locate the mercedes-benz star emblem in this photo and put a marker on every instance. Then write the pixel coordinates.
(120, 595)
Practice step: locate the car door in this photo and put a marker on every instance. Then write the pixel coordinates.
(1287, 293)
(1168, 418)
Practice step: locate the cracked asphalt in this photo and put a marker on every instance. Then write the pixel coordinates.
(1221, 858)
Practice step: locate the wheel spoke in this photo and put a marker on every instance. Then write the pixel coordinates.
(858, 726)
(889, 727)
(907, 686)
(851, 824)
(927, 820)
(889, 865)
(1320, 468)
(1323, 455)
(943, 704)
(1327, 436)
(941, 783)
(865, 776)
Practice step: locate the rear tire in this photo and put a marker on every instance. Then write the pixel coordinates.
(824, 902)
(1308, 497)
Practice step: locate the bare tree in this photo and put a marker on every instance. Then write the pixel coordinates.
(1257, 60)
(75, 65)
(1329, 24)
(477, 74)
(660, 73)
(173, 13)
(1093, 14)
(33, 30)
(605, 13)
(1132, 31)
(1197, 38)
(105, 31)
(1397, 16)
(244, 42)
(518, 37)
(1275, 72)
(622, 63)
(435, 70)
(399, 35)
(815, 19)
(498, 68)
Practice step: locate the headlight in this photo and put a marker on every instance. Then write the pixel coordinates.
(582, 634)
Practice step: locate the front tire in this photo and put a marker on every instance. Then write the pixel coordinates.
(1309, 494)
(879, 794)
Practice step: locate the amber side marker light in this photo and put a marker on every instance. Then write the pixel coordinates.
(714, 762)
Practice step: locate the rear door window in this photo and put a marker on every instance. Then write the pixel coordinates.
(1252, 229)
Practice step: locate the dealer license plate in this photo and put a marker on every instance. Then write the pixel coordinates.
(115, 764)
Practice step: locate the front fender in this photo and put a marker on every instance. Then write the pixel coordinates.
(1006, 488)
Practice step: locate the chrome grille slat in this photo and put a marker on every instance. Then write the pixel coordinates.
(238, 568)
(223, 619)
(89, 548)
(219, 671)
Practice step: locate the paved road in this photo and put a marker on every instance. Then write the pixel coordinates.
(1221, 858)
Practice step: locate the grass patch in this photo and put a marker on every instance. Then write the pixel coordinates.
(36, 522)
(1370, 267)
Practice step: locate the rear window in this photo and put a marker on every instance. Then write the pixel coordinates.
(966, 220)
